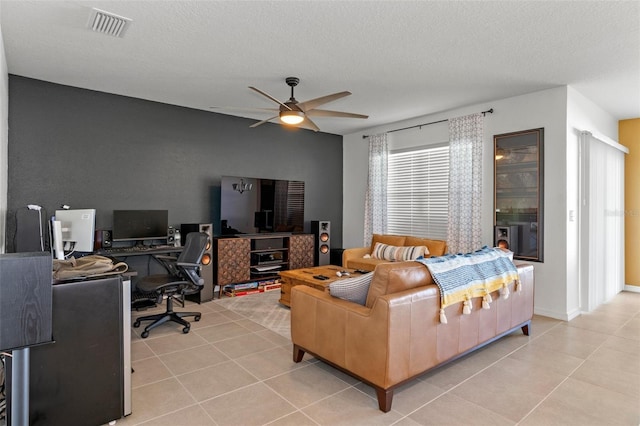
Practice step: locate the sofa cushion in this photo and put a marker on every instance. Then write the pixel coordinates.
(353, 289)
(391, 278)
(365, 263)
(435, 247)
(395, 254)
(392, 240)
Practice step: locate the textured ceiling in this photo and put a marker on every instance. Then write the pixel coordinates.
(399, 59)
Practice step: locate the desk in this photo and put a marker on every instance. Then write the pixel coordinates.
(137, 263)
(140, 263)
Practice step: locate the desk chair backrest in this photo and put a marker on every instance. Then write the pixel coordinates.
(188, 262)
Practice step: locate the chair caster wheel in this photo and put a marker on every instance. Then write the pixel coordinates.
(186, 330)
(196, 318)
(136, 324)
(145, 334)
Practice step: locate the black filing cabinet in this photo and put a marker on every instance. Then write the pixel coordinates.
(84, 377)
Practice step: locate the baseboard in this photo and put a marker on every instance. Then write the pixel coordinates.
(568, 316)
(562, 316)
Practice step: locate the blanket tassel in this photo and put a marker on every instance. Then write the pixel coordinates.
(504, 291)
(443, 317)
(466, 310)
(486, 299)
(518, 285)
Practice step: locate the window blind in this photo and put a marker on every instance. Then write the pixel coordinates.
(418, 192)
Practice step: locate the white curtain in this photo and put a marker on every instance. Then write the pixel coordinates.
(601, 220)
(465, 183)
(375, 210)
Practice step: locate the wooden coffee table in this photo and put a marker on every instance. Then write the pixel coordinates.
(305, 276)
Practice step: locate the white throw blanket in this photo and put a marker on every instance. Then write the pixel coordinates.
(462, 277)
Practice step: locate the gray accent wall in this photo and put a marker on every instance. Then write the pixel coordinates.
(91, 149)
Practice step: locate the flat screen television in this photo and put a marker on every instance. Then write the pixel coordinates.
(140, 225)
(260, 205)
(78, 227)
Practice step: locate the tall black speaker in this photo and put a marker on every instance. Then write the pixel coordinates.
(506, 237)
(25, 299)
(206, 264)
(321, 229)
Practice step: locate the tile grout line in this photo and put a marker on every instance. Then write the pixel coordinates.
(574, 370)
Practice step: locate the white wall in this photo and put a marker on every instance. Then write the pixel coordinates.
(547, 109)
(4, 141)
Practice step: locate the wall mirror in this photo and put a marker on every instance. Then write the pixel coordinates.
(518, 193)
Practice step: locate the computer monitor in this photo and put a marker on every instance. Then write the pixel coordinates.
(140, 225)
(78, 228)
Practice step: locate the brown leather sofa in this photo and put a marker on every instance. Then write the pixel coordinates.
(354, 258)
(397, 335)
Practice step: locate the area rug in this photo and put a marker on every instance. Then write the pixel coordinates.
(262, 308)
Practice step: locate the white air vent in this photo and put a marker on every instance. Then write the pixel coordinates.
(108, 23)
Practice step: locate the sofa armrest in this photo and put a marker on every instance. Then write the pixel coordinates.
(398, 334)
(353, 253)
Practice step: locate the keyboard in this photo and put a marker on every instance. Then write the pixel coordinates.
(139, 250)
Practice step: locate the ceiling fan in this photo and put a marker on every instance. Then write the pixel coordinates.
(296, 113)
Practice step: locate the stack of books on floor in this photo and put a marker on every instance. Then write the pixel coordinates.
(243, 289)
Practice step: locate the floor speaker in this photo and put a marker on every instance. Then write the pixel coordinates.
(506, 237)
(206, 264)
(25, 299)
(321, 229)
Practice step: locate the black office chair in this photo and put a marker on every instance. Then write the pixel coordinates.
(182, 279)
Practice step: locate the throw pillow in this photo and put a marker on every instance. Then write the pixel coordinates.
(434, 247)
(352, 289)
(392, 240)
(393, 253)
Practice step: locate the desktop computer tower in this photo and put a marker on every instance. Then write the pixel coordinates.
(31, 231)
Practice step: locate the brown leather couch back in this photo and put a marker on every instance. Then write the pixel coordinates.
(390, 278)
(435, 247)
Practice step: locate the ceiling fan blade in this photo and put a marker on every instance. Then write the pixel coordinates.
(263, 121)
(327, 113)
(314, 103)
(269, 96)
(308, 124)
(246, 109)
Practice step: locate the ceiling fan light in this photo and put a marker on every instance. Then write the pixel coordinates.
(291, 116)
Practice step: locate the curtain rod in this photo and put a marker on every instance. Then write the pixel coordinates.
(489, 111)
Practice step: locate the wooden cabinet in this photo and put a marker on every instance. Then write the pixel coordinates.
(233, 260)
(261, 257)
(301, 251)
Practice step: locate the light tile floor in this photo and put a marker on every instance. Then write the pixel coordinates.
(230, 370)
